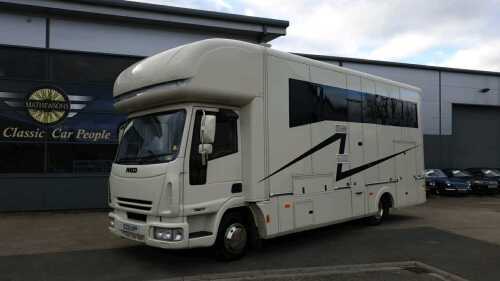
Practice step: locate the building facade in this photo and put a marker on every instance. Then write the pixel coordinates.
(58, 62)
(59, 59)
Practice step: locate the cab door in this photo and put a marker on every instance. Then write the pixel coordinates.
(208, 185)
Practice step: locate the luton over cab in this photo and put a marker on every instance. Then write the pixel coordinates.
(229, 142)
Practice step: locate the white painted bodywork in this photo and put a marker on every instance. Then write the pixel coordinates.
(252, 80)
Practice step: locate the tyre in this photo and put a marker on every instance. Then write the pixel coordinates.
(232, 238)
(382, 212)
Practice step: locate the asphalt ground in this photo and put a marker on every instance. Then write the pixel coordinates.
(460, 235)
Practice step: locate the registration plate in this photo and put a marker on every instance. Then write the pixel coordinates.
(492, 186)
(130, 227)
(133, 236)
(132, 231)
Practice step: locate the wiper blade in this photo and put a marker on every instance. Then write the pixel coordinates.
(145, 159)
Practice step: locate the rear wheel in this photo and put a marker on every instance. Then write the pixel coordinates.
(382, 212)
(232, 238)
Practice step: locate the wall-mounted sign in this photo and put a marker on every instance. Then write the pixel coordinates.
(48, 114)
(48, 106)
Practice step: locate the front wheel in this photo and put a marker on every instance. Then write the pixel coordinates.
(382, 213)
(232, 238)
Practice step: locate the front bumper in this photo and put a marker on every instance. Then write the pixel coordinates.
(457, 190)
(143, 232)
(485, 187)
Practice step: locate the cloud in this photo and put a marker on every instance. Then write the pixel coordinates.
(399, 30)
(484, 56)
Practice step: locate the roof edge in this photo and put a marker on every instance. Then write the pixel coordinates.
(399, 64)
(184, 11)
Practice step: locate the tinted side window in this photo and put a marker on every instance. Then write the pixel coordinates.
(407, 114)
(413, 115)
(302, 96)
(396, 112)
(336, 101)
(381, 109)
(226, 134)
(225, 143)
(354, 106)
(369, 109)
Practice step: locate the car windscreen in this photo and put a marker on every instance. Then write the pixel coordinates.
(490, 173)
(151, 139)
(457, 173)
(434, 173)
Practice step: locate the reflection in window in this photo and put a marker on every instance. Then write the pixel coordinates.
(79, 158)
(19, 157)
(336, 100)
(152, 138)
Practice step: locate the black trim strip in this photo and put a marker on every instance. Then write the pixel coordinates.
(281, 194)
(381, 182)
(134, 207)
(199, 234)
(137, 201)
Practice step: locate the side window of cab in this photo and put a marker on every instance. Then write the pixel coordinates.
(225, 143)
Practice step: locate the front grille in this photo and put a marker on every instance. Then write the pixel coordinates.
(137, 217)
(138, 204)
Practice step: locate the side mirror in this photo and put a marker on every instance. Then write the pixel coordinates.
(207, 129)
(205, 149)
(207, 136)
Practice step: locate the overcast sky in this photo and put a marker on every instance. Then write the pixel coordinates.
(454, 33)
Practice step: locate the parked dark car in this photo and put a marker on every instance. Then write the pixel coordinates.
(479, 184)
(487, 174)
(439, 182)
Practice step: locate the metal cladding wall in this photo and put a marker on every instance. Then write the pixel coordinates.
(79, 48)
(444, 93)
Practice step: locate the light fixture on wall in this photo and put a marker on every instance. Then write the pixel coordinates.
(484, 90)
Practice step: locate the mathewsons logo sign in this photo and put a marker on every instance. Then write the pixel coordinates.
(49, 107)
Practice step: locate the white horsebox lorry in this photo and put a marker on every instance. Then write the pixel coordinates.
(229, 142)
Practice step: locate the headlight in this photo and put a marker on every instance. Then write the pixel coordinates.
(432, 183)
(111, 222)
(448, 183)
(468, 184)
(168, 234)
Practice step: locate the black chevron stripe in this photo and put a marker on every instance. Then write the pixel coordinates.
(345, 174)
(316, 148)
(340, 174)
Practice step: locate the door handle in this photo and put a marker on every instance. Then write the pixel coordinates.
(359, 192)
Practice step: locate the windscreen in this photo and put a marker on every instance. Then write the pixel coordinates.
(151, 139)
(458, 173)
(490, 173)
(434, 173)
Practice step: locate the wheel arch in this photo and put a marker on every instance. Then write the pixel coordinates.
(386, 192)
(236, 206)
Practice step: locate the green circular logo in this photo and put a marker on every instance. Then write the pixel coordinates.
(48, 105)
